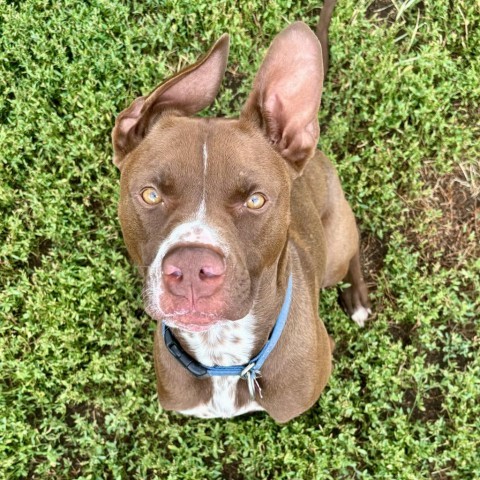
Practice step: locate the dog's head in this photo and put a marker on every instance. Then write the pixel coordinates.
(205, 203)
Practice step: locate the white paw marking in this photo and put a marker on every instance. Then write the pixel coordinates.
(360, 315)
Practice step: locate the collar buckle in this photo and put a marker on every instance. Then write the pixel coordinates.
(250, 374)
(246, 372)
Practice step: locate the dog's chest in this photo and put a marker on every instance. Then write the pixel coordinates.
(223, 345)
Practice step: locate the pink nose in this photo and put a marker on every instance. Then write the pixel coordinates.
(193, 272)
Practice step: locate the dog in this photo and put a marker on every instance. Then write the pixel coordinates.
(237, 224)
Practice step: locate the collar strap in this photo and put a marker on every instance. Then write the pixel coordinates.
(248, 371)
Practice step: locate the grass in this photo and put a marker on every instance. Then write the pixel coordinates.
(400, 119)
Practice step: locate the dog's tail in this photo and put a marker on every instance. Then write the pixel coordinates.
(322, 30)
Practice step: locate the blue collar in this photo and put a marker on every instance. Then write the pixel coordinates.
(249, 371)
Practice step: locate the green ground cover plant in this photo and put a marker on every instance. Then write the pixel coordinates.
(401, 121)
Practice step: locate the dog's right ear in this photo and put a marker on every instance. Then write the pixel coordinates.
(189, 91)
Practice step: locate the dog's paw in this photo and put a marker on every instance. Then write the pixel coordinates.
(360, 315)
(355, 303)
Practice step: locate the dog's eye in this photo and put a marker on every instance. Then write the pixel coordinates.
(255, 201)
(151, 196)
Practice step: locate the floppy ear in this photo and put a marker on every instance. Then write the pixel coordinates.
(286, 94)
(189, 91)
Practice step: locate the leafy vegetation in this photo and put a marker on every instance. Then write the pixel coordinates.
(400, 119)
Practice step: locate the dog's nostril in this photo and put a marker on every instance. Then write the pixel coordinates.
(173, 271)
(206, 273)
(211, 270)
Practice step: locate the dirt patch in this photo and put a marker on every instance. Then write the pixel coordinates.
(436, 357)
(94, 205)
(85, 410)
(42, 249)
(444, 224)
(373, 251)
(232, 470)
(382, 10)
(444, 473)
(432, 404)
(403, 333)
(233, 81)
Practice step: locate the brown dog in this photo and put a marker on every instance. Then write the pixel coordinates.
(220, 213)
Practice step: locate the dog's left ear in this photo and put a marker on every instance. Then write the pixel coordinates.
(189, 91)
(286, 94)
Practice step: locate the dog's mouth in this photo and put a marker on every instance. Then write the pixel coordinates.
(190, 321)
(190, 324)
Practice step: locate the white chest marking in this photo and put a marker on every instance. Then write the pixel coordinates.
(224, 344)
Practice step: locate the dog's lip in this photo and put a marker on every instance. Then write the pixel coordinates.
(192, 321)
(192, 327)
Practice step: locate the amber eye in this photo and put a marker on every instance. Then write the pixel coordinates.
(151, 196)
(255, 201)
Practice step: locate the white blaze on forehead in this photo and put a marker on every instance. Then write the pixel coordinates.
(202, 211)
(196, 230)
(205, 159)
